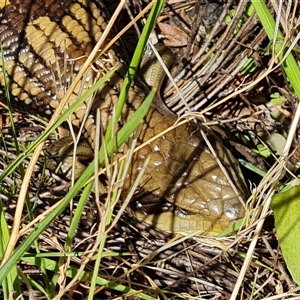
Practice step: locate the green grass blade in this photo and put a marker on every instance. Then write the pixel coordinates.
(11, 168)
(124, 134)
(137, 56)
(290, 65)
(86, 276)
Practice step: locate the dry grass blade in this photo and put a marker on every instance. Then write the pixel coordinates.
(102, 251)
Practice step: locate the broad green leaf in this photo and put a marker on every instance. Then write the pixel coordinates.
(276, 141)
(286, 208)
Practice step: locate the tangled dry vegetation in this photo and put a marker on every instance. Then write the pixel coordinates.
(228, 72)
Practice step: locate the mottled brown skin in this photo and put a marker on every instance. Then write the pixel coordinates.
(45, 44)
(182, 171)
